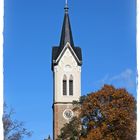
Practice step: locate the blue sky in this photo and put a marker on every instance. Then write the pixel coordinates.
(104, 29)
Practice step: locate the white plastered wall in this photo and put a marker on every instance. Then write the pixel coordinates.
(67, 66)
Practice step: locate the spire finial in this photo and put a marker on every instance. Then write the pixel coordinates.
(66, 2)
(66, 6)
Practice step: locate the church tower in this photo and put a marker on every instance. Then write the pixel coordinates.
(66, 67)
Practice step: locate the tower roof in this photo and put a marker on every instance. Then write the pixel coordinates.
(66, 37)
(66, 34)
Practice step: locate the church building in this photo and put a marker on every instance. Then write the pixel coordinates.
(66, 68)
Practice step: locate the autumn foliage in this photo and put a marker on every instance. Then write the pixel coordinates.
(108, 114)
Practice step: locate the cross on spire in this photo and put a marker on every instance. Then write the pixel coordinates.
(66, 6)
(66, 2)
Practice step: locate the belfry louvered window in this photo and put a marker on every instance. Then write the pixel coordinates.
(71, 85)
(64, 85)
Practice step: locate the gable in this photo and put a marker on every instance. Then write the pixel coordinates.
(58, 52)
(67, 58)
(68, 50)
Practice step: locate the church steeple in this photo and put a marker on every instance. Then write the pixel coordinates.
(66, 67)
(66, 34)
(66, 37)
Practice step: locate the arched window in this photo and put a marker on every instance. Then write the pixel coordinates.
(71, 85)
(64, 85)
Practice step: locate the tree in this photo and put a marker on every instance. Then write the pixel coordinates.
(13, 129)
(108, 114)
(70, 131)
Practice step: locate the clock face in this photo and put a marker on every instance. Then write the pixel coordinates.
(68, 114)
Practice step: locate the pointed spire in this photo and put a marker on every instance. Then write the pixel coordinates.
(66, 34)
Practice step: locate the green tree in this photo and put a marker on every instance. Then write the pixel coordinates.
(108, 114)
(70, 131)
(13, 129)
